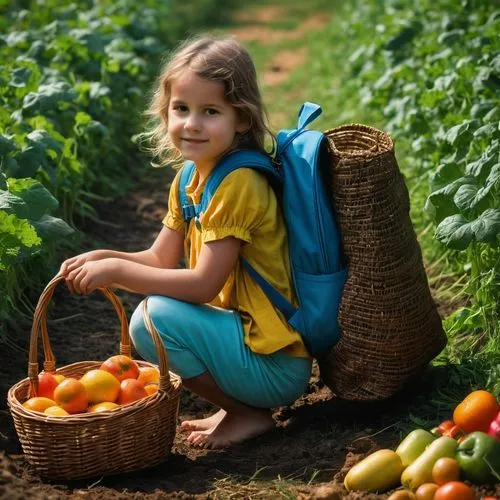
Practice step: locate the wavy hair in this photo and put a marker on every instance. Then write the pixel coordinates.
(219, 59)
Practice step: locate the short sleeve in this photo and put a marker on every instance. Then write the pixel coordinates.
(237, 207)
(174, 219)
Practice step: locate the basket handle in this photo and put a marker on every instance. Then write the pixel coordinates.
(40, 325)
(165, 382)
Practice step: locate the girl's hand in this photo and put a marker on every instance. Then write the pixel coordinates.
(91, 275)
(78, 260)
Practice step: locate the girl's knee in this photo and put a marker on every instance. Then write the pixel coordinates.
(160, 310)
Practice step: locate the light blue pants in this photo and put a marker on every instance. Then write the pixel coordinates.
(201, 338)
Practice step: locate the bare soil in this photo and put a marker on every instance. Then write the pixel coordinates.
(315, 442)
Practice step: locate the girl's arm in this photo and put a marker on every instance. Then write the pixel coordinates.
(165, 252)
(199, 285)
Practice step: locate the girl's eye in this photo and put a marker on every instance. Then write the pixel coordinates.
(211, 111)
(180, 107)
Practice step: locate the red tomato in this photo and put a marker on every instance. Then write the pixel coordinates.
(455, 490)
(46, 385)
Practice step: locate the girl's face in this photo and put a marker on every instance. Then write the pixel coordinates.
(201, 123)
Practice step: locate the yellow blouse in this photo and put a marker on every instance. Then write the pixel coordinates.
(245, 207)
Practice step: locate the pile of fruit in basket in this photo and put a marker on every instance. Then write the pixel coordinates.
(118, 381)
(432, 465)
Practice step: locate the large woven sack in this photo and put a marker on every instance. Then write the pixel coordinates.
(389, 322)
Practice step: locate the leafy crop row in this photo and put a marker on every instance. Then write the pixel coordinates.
(434, 70)
(74, 78)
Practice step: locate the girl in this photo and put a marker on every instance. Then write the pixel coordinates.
(223, 335)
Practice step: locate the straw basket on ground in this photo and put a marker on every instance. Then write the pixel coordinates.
(131, 437)
(389, 322)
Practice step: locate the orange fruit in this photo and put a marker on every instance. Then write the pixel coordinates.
(46, 385)
(151, 388)
(100, 386)
(454, 490)
(426, 491)
(56, 411)
(402, 495)
(476, 411)
(39, 403)
(148, 374)
(104, 406)
(71, 395)
(121, 366)
(130, 390)
(59, 377)
(445, 469)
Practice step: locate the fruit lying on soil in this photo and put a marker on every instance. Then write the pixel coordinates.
(402, 495)
(39, 403)
(454, 490)
(413, 445)
(426, 491)
(379, 471)
(494, 428)
(71, 395)
(479, 458)
(476, 411)
(100, 386)
(420, 471)
(121, 366)
(446, 469)
(448, 428)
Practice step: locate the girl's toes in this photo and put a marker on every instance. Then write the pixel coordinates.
(200, 440)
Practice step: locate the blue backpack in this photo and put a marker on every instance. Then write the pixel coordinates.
(314, 240)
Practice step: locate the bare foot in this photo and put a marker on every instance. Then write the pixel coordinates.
(234, 428)
(204, 424)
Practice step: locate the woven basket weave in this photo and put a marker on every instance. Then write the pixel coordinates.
(131, 437)
(389, 322)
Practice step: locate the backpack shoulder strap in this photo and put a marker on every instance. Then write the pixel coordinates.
(264, 164)
(188, 208)
(239, 159)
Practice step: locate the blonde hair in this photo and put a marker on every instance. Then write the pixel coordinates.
(219, 59)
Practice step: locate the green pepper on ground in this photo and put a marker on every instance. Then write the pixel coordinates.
(479, 458)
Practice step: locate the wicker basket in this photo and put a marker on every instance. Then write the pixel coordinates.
(132, 437)
(389, 322)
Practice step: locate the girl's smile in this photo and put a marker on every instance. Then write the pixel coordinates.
(202, 124)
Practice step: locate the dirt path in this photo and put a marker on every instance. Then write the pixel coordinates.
(317, 439)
